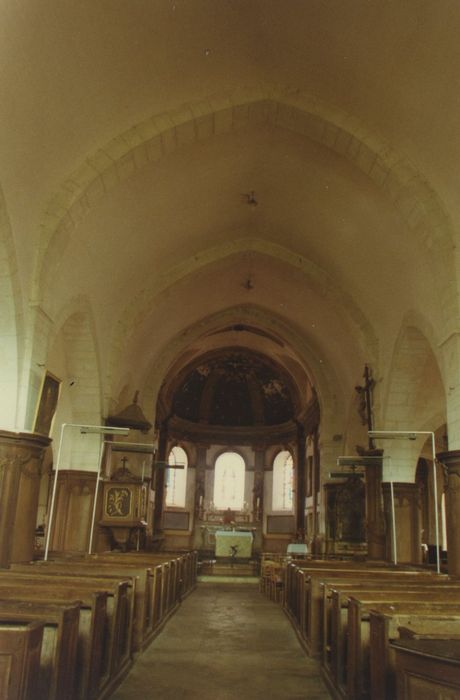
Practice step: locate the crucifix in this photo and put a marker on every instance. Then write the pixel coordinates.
(365, 408)
(375, 524)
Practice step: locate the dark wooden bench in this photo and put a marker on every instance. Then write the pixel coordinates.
(92, 673)
(20, 650)
(335, 613)
(116, 646)
(358, 630)
(309, 617)
(428, 668)
(401, 621)
(141, 587)
(57, 674)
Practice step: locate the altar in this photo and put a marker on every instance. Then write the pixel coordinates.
(234, 543)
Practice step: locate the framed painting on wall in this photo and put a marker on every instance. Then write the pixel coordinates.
(47, 404)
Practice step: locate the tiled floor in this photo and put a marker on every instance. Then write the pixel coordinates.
(226, 642)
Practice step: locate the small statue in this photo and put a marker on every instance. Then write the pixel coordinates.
(257, 495)
(199, 494)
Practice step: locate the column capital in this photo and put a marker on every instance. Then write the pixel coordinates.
(451, 460)
(403, 490)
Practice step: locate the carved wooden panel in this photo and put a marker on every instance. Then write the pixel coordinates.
(176, 520)
(280, 524)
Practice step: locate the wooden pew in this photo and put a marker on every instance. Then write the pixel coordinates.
(164, 587)
(170, 579)
(56, 678)
(295, 579)
(160, 585)
(186, 562)
(92, 635)
(393, 622)
(358, 631)
(309, 614)
(139, 584)
(20, 649)
(428, 668)
(117, 656)
(164, 581)
(335, 613)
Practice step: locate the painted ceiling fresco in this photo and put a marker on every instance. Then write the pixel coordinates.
(235, 389)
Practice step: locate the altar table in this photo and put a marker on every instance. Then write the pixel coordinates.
(226, 539)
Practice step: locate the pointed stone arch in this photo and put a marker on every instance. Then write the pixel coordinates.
(415, 398)
(81, 400)
(323, 377)
(316, 278)
(413, 359)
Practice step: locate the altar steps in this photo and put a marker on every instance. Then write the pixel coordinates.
(228, 570)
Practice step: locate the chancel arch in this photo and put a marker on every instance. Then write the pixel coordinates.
(233, 407)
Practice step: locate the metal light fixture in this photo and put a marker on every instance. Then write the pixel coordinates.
(84, 430)
(99, 430)
(358, 461)
(412, 435)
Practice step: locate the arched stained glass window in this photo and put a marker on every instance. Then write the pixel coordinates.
(229, 481)
(176, 479)
(283, 481)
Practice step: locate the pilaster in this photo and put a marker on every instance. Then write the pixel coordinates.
(375, 520)
(408, 522)
(451, 461)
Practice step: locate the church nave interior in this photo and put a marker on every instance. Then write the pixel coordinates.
(229, 336)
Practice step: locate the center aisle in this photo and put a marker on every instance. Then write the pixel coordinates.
(226, 642)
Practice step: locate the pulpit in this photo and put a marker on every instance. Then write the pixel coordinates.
(124, 508)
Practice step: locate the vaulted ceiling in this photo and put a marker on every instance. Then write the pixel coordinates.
(133, 131)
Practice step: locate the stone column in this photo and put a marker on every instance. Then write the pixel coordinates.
(301, 490)
(21, 458)
(200, 480)
(408, 519)
(258, 490)
(315, 490)
(451, 460)
(162, 458)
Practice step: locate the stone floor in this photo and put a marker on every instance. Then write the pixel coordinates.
(226, 642)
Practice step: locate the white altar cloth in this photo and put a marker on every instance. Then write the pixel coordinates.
(241, 541)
